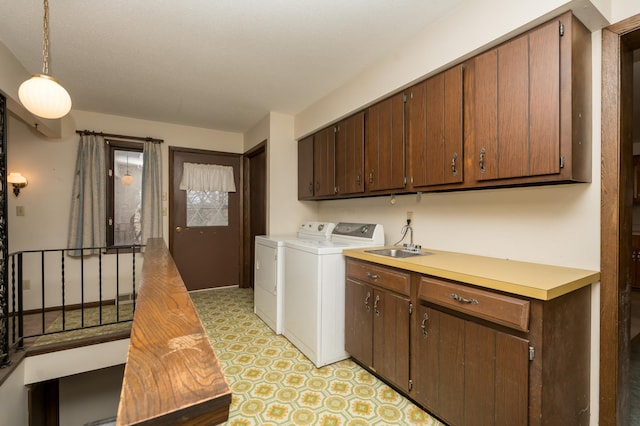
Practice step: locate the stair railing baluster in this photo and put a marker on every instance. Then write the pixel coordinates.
(63, 290)
(42, 279)
(82, 289)
(117, 284)
(133, 276)
(20, 306)
(100, 284)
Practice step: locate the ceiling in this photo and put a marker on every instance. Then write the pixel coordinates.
(215, 64)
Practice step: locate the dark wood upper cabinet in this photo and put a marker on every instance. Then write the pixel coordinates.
(324, 171)
(434, 126)
(305, 168)
(517, 114)
(384, 145)
(350, 155)
(530, 107)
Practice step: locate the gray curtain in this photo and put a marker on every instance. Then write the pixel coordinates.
(151, 191)
(88, 203)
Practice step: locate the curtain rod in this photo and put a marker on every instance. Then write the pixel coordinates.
(111, 135)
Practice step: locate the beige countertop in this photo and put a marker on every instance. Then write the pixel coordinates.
(533, 280)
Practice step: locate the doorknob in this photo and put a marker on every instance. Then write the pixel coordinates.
(178, 229)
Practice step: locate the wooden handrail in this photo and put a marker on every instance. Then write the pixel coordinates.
(172, 375)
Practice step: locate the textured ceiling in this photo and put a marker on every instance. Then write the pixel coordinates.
(220, 64)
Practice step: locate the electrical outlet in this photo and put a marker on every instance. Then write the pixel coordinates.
(410, 216)
(19, 210)
(26, 284)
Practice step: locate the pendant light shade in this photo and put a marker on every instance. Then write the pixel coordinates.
(42, 95)
(127, 179)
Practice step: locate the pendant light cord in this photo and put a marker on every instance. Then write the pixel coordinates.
(45, 39)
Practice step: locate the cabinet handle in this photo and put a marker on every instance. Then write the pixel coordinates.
(375, 306)
(311, 188)
(463, 299)
(483, 152)
(358, 180)
(366, 301)
(453, 164)
(371, 177)
(423, 326)
(373, 276)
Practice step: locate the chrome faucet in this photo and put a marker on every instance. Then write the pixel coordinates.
(413, 248)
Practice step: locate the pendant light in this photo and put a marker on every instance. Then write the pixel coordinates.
(42, 95)
(127, 179)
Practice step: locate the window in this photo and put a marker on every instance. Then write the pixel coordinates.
(124, 192)
(207, 208)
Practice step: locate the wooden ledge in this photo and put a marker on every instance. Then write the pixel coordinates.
(172, 375)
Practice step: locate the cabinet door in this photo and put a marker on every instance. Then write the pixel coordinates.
(438, 369)
(324, 162)
(350, 155)
(469, 374)
(358, 325)
(635, 261)
(391, 337)
(434, 130)
(305, 168)
(517, 106)
(636, 179)
(384, 145)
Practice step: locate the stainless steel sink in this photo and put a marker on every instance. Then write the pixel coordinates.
(398, 253)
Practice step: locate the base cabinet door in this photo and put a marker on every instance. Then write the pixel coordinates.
(358, 322)
(469, 374)
(391, 337)
(377, 326)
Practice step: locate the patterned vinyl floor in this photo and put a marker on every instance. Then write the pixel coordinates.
(274, 384)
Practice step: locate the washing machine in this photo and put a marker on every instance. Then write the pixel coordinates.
(315, 289)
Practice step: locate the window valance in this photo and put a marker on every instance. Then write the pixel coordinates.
(207, 177)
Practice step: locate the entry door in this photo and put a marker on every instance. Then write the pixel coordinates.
(207, 255)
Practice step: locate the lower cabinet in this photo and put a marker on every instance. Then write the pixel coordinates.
(469, 355)
(377, 327)
(470, 374)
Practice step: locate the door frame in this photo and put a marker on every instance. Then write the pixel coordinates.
(618, 41)
(247, 243)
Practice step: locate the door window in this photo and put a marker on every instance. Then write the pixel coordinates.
(207, 208)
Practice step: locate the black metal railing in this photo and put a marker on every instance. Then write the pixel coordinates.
(62, 290)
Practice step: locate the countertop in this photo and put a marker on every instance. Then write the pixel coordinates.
(534, 280)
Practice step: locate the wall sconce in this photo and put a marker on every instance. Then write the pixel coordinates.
(18, 181)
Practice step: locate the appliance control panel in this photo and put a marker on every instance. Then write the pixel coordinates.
(316, 229)
(365, 232)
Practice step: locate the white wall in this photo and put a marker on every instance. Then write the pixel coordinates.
(14, 408)
(284, 212)
(90, 396)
